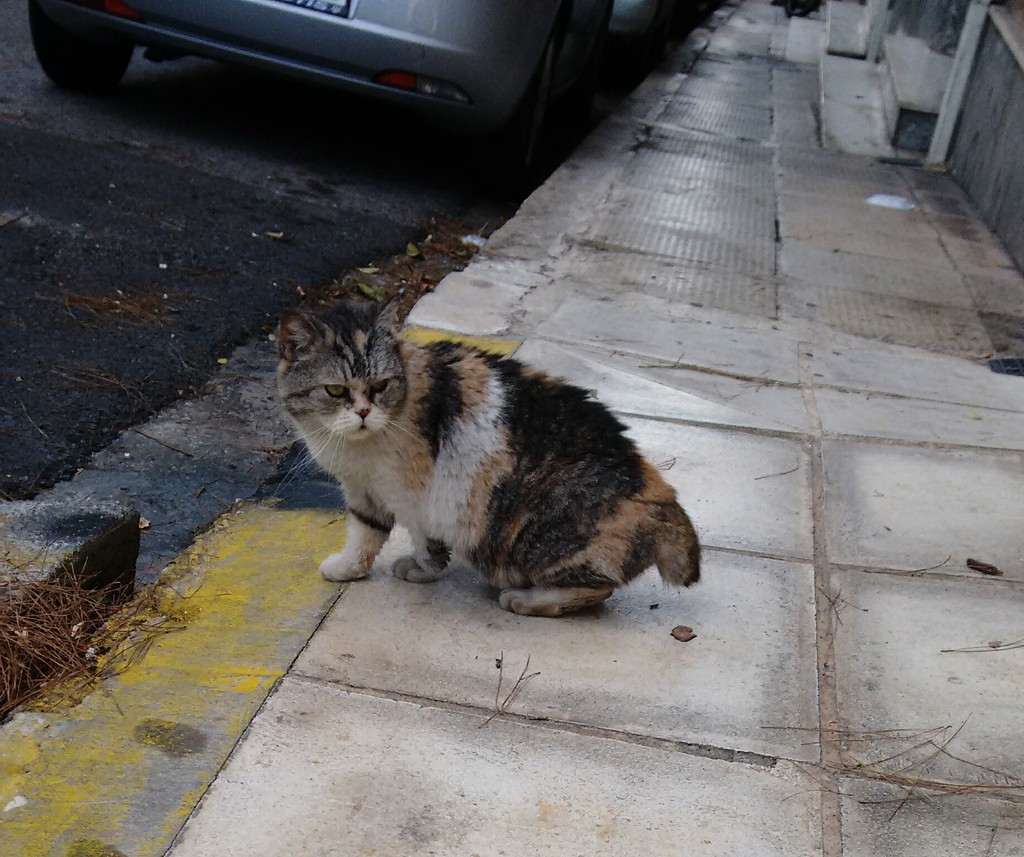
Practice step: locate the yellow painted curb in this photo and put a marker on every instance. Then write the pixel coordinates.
(490, 344)
(119, 773)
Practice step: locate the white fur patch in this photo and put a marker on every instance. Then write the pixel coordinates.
(477, 436)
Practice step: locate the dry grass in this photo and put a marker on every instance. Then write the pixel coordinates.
(60, 633)
(919, 763)
(141, 308)
(501, 706)
(404, 277)
(94, 378)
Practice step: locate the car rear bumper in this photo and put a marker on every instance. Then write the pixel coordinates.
(489, 49)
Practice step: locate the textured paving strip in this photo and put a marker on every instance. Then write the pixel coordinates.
(119, 773)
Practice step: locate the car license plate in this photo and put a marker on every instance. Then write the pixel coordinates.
(338, 8)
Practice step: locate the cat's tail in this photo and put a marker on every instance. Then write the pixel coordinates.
(677, 549)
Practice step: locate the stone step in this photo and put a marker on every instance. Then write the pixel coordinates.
(914, 80)
(847, 27)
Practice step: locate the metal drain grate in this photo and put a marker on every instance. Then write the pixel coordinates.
(1009, 366)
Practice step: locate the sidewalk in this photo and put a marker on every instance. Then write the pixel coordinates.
(808, 367)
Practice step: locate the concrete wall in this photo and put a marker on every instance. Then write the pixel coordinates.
(938, 24)
(986, 155)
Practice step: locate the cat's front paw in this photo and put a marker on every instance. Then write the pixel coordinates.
(339, 567)
(409, 568)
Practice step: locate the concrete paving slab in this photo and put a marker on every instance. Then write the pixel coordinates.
(726, 71)
(871, 415)
(644, 325)
(853, 118)
(847, 29)
(701, 397)
(775, 407)
(893, 319)
(801, 212)
(916, 508)
(804, 38)
(893, 674)
(814, 264)
(725, 118)
(829, 164)
(978, 256)
(748, 89)
(840, 187)
(469, 303)
(308, 782)
(735, 239)
(997, 291)
(607, 274)
(744, 491)
(910, 373)
(733, 43)
(624, 386)
(921, 250)
(933, 280)
(714, 209)
(678, 164)
(939, 827)
(616, 668)
(797, 125)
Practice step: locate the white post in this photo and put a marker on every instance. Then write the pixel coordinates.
(879, 21)
(953, 97)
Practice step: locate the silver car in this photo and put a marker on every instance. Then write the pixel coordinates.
(473, 66)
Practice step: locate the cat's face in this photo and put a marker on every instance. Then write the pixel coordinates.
(340, 375)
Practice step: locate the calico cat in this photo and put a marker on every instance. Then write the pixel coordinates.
(521, 473)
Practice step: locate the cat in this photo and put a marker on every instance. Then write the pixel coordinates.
(523, 474)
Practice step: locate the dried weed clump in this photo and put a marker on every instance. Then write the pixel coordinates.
(60, 632)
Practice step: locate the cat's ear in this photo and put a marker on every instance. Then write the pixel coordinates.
(389, 320)
(297, 333)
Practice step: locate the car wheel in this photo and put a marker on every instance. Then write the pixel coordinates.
(75, 63)
(800, 8)
(642, 54)
(519, 144)
(579, 101)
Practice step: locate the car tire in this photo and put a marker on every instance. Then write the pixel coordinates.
(75, 63)
(519, 144)
(643, 53)
(579, 101)
(800, 8)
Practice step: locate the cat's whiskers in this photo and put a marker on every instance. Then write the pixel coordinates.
(303, 460)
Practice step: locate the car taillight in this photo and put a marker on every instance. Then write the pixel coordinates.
(421, 84)
(113, 7)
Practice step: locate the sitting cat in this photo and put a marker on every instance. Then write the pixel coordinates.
(521, 473)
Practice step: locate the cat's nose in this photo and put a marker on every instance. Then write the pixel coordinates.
(363, 412)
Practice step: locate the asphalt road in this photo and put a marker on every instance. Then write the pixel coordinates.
(135, 232)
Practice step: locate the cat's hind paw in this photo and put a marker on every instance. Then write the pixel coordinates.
(409, 568)
(550, 602)
(340, 567)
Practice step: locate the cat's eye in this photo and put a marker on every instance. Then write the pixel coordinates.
(378, 386)
(336, 391)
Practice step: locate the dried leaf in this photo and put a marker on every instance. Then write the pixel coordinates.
(374, 293)
(411, 249)
(984, 567)
(8, 219)
(370, 270)
(277, 236)
(683, 633)
(144, 523)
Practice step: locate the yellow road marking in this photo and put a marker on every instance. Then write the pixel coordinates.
(120, 772)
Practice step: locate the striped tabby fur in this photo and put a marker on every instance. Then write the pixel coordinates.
(522, 474)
